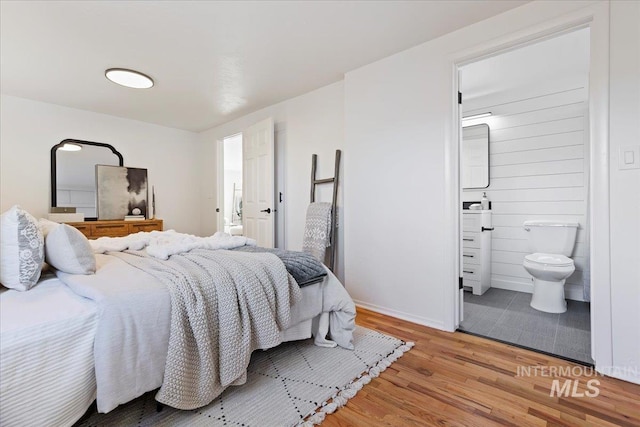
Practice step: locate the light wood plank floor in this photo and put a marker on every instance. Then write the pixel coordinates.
(462, 380)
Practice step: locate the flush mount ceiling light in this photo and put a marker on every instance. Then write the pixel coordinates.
(477, 116)
(129, 78)
(68, 146)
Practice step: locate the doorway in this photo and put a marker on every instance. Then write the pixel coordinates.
(529, 109)
(230, 188)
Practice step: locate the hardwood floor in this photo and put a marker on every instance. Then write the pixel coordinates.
(462, 380)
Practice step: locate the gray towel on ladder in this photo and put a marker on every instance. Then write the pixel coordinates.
(317, 230)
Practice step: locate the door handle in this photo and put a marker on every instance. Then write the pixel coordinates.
(268, 210)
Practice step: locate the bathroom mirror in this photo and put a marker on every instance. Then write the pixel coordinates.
(73, 179)
(475, 157)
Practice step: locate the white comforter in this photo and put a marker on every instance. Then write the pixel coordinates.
(134, 315)
(163, 244)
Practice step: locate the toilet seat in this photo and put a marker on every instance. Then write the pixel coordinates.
(553, 260)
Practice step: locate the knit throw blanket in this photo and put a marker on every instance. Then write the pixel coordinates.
(224, 305)
(317, 230)
(304, 267)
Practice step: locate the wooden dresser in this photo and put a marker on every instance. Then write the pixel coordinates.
(95, 229)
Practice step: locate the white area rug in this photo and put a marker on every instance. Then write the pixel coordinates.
(296, 383)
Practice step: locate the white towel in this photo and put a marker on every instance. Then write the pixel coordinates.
(317, 230)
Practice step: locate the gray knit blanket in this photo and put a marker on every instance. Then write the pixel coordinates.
(224, 305)
(304, 267)
(317, 230)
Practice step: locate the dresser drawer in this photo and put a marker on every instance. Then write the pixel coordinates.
(146, 226)
(473, 284)
(471, 256)
(471, 222)
(471, 272)
(112, 230)
(83, 228)
(470, 240)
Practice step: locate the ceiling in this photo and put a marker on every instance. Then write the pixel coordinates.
(211, 61)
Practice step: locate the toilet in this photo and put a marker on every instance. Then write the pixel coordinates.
(552, 243)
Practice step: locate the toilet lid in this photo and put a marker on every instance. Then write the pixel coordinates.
(549, 259)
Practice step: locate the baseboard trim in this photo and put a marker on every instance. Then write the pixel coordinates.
(402, 315)
(512, 286)
(571, 291)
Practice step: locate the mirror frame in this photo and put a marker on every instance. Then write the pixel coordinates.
(488, 156)
(54, 150)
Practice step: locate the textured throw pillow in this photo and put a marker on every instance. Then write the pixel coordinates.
(67, 249)
(21, 249)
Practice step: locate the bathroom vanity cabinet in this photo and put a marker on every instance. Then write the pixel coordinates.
(476, 250)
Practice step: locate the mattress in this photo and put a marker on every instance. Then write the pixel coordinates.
(46, 355)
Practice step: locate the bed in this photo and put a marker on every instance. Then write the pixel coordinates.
(121, 318)
(46, 359)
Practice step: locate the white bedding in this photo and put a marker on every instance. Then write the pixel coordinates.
(46, 355)
(132, 337)
(105, 336)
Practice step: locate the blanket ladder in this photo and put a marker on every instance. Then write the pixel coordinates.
(333, 180)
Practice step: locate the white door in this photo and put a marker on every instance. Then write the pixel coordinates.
(258, 193)
(460, 304)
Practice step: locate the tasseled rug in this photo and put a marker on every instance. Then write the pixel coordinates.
(294, 384)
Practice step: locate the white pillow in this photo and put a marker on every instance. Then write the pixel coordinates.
(21, 249)
(67, 249)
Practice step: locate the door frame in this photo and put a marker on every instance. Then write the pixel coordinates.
(595, 17)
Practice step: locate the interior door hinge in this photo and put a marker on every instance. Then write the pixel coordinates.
(460, 283)
(459, 97)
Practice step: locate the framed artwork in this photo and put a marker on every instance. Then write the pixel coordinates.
(121, 191)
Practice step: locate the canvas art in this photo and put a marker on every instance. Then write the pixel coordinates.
(121, 191)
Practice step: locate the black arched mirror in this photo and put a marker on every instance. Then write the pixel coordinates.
(73, 177)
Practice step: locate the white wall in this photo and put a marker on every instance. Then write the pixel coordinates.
(398, 118)
(539, 169)
(625, 186)
(399, 115)
(30, 129)
(309, 124)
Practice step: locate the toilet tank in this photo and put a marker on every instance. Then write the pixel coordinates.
(551, 237)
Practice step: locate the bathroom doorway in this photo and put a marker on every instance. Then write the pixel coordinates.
(524, 157)
(230, 185)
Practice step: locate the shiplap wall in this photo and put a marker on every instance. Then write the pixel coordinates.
(538, 170)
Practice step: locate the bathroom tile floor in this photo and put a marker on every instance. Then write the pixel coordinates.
(507, 316)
